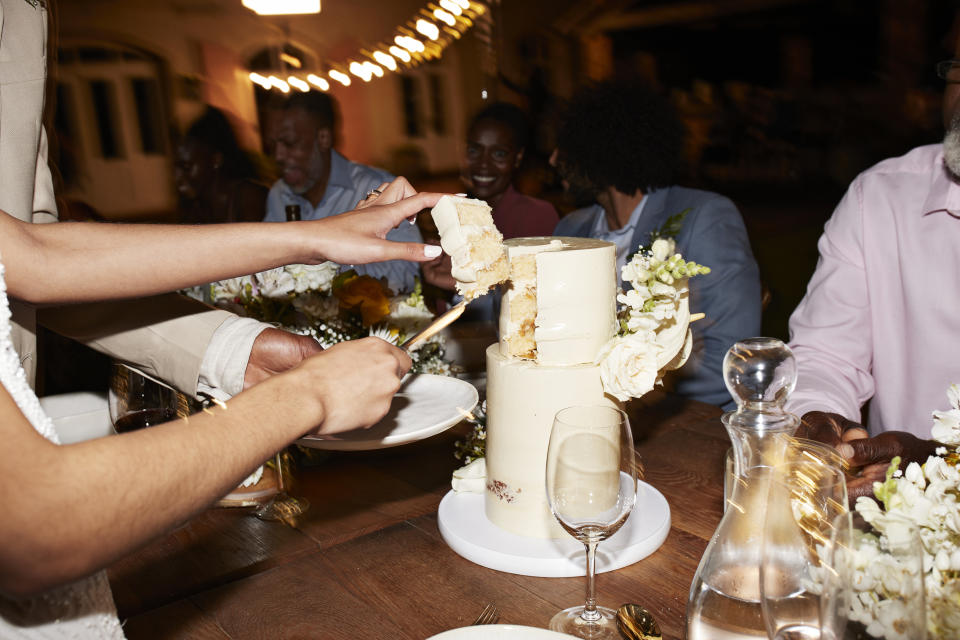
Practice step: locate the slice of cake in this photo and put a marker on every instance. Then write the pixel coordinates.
(467, 233)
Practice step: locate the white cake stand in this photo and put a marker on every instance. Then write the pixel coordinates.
(465, 527)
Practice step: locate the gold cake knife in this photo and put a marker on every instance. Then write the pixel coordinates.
(441, 322)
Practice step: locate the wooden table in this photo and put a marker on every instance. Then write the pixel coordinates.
(368, 560)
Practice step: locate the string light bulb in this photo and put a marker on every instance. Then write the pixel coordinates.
(374, 69)
(443, 16)
(361, 71)
(340, 77)
(397, 52)
(258, 79)
(277, 83)
(297, 83)
(428, 29)
(385, 60)
(318, 82)
(451, 6)
(410, 44)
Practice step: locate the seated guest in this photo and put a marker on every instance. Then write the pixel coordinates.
(496, 141)
(618, 148)
(214, 178)
(317, 182)
(880, 319)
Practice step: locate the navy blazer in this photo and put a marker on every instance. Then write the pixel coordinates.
(713, 234)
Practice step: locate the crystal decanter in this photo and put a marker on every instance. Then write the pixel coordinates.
(724, 598)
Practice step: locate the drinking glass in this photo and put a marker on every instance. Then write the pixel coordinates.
(591, 489)
(874, 586)
(282, 507)
(137, 401)
(805, 497)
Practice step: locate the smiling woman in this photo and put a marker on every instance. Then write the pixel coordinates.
(496, 141)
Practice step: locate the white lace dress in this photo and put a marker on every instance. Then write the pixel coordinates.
(85, 608)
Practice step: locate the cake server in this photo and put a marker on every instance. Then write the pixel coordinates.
(441, 322)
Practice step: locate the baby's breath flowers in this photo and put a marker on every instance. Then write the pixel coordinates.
(653, 321)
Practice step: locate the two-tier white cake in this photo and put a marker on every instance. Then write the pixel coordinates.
(557, 313)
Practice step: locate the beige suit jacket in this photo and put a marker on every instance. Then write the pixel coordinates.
(166, 335)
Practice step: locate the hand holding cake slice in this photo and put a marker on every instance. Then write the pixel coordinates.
(477, 254)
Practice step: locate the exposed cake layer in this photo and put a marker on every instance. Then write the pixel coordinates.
(522, 399)
(468, 235)
(561, 305)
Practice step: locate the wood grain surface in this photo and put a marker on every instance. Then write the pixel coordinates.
(368, 560)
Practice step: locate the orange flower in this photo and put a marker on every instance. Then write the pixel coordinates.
(366, 294)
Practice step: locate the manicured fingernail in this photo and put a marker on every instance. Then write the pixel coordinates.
(845, 450)
(431, 250)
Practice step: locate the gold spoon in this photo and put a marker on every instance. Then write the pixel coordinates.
(636, 623)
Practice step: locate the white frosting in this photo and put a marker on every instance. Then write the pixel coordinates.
(455, 238)
(522, 399)
(576, 292)
(470, 478)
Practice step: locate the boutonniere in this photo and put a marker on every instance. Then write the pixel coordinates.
(37, 4)
(670, 229)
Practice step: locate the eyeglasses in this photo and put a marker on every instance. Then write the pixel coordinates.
(949, 70)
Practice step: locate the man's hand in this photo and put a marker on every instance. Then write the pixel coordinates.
(873, 456)
(275, 351)
(437, 273)
(829, 428)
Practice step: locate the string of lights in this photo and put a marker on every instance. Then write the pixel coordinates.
(422, 38)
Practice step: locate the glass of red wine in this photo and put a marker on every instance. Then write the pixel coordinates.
(137, 400)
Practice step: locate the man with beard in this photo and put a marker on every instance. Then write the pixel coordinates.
(618, 147)
(879, 321)
(317, 182)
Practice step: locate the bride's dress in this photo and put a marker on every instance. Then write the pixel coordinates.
(85, 608)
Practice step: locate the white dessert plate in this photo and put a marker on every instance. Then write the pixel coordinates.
(425, 405)
(466, 529)
(78, 416)
(499, 632)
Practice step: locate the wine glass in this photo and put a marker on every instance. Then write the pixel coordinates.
(591, 489)
(874, 587)
(137, 400)
(805, 497)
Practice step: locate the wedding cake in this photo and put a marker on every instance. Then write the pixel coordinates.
(563, 342)
(555, 317)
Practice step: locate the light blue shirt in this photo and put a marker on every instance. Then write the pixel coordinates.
(349, 184)
(622, 237)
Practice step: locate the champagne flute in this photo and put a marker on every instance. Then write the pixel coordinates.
(591, 488)
(137, 401)
(874, 586)
(806, 495)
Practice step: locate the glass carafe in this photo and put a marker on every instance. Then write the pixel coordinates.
(724, 598)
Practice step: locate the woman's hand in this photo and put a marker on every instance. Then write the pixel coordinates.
(389, 192)
(359, 236)
(354, 382)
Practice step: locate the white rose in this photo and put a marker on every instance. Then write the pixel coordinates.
(628, 367)
(275, 283)
(662, 249)
(313, 277)
(635, 272)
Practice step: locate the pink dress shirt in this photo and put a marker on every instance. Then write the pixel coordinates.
(881, 317)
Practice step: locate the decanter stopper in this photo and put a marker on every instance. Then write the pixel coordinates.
(760, 374)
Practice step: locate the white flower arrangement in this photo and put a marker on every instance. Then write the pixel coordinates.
(320, 301)
(929, 495)
(654, 335)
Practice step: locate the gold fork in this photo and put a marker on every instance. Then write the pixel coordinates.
(489, 615)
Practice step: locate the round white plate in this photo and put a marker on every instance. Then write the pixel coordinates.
(466, 529)
(499, 632)
(425, 405)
